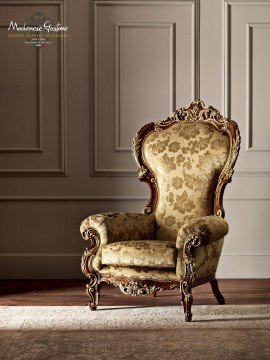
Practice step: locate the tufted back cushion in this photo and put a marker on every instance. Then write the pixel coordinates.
(186, 160)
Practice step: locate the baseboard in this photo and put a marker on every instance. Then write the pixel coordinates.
(36, 266)
(67, 266)
(243, 266)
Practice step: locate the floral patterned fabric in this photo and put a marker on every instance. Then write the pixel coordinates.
(206, 258)
(211, 228)
(140, 273)
(114, 227)
(143, 253)
(186, 160)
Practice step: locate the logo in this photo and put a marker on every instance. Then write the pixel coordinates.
(37, 31)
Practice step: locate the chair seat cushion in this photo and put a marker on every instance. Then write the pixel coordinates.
(141, 253)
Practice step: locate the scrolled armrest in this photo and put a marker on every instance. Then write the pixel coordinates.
(194, 240)
(102, 229)
(113, 227)
(207, 229)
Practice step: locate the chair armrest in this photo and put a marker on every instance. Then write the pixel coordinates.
(199, 243)
(119, 226)
(102, 229)
(208, 229)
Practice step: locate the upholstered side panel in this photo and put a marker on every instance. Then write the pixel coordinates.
(186, 160)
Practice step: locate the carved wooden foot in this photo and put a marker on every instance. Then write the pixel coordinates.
(93, 289)
(187, 300)
(216, 292)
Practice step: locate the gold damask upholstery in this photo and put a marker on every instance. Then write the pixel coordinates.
(114, 227)
(141, 253)
(139, 273)
(187, 160)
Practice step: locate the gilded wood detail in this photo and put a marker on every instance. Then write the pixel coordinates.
(189, 273)
(92, 288)
(135, 287)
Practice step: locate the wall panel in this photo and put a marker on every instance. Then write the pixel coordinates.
(141, 71)
(125, 63)
(32, 107)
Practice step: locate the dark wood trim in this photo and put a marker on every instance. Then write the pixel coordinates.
(216, 292)
(204, 280)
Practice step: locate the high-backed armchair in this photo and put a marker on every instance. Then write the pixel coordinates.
(176, 242)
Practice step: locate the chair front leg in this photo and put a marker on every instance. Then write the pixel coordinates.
(93, 287)
(187, 300)
(192, 241)
(93, 290)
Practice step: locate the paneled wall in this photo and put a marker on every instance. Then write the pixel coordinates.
(68, 113)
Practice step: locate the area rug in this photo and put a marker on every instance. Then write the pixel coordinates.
(73, 332)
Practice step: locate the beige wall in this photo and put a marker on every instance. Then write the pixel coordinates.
(69, 111)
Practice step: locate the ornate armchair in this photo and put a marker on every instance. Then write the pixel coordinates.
(176, 242)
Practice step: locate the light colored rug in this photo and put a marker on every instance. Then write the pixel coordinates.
(73, 332)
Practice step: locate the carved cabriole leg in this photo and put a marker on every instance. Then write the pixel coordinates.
(192, 241)
(93, 290)
(93, 287)
(187, 300)
(216, 292)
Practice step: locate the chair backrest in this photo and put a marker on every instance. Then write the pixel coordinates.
(187, 160)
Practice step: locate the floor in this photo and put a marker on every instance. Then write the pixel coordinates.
(71, 293)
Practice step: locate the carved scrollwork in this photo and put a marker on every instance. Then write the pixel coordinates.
(136, 148)
(135, 288)
(147, 210)
(197, 111)
(93, 237)
(142, 171)
(192, 241)
(92, 289)
(227, 172)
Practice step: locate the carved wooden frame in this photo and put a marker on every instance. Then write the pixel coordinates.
(197, 111)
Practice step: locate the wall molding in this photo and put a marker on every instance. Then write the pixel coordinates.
(105, 198)
(195, 80)
(62, 170)
(226, 75)
(64, 265)
(73, 198)
(135, 25)
(80, 254)
(249, 88)
(37, 148)
(40, 255)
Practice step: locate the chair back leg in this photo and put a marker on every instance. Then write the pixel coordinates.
(216, 292)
